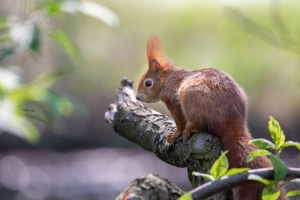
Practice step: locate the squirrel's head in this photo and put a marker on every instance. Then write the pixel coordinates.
(153, 79)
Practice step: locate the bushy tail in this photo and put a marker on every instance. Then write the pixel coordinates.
(239, 149)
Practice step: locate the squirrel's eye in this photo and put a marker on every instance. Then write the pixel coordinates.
(148, 83)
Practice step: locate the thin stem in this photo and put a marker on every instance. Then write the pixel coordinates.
(208, 189)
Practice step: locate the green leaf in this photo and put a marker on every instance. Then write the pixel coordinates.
(3, 23)
(258, 178)
(51, 115)
(291, 143)
(256, 153)
(37, 118)
(220, 166)
(50, 77)
(59, 105)
(262, 143)
(94, 10)
(5, 38)
(234, 171)
(64, 106)
(18, 125)
(270, 195)
(279, 168)
(35, 45)
(37, 90)
(66, 44)
(31, 133)
(207, 176)
(276, 132)
(186, 196)
(88, 8)
(253, 27)
(293, 193)
(52, 7)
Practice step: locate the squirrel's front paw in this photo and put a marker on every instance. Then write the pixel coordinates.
(172, 136)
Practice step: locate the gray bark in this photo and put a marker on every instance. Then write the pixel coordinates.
(149, 128)
(150, 187)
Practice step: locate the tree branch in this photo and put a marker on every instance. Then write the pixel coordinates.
(210, 188)
(150, 187)
(148, 128)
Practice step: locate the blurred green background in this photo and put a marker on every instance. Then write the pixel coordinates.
(194, 34)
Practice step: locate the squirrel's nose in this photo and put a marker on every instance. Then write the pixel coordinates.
(137, 97)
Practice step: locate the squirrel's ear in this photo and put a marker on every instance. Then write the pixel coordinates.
(154, 65)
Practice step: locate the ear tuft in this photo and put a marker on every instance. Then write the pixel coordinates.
(154, 53)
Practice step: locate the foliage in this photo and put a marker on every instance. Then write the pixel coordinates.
(220, 169)
(280, 170)
(272, 189)
(68, 46)
(186, 196)
(24, 34)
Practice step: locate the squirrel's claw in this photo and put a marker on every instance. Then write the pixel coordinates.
(170, 138)
(167, 146)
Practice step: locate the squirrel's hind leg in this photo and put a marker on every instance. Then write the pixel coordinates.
(188, 130)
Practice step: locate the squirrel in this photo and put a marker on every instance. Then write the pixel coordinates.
(203, 100)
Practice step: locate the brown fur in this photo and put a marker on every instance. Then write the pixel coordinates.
(203, 100)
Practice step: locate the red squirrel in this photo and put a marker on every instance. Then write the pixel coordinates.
(203, 100)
